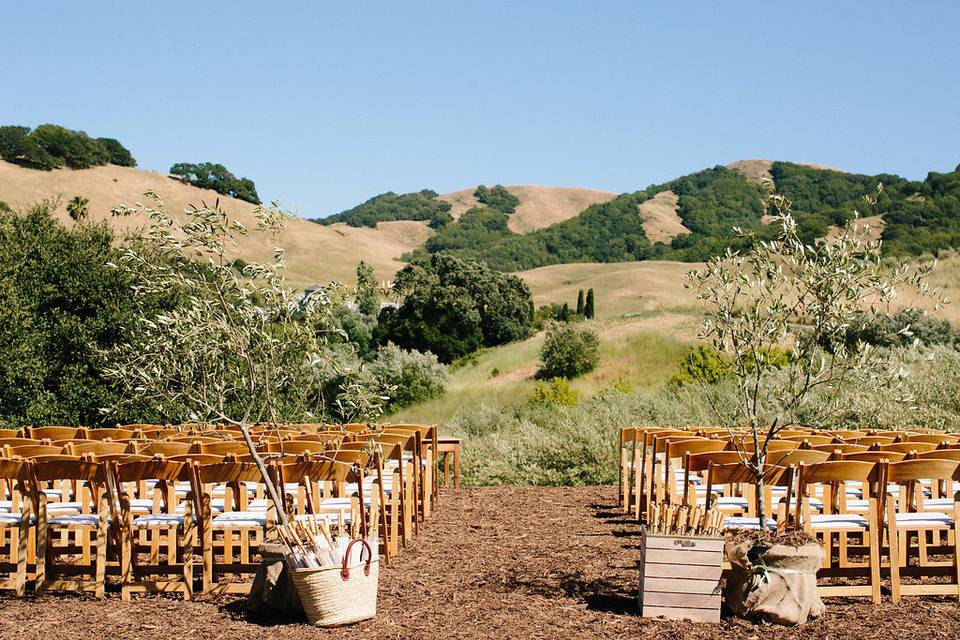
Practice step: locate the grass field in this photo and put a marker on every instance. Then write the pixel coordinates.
(637, 352)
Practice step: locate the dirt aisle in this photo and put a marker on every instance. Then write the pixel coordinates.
(492, 563)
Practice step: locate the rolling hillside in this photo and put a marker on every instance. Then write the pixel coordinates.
(314, 253)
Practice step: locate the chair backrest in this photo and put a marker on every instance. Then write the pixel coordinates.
(939, 454)
(7, 434)
(906, 447)
(84, 470)
(774, 445)
(56, 433)
(910, 474)
(871, 440)
(874, 456)
(812, 439)
(99, 448)
(111, 434)
(224, 447)
(842, 447)
(932, 438)
(204, 458)
(153, 469)
(834, 477)
(164, 448)
(20, 442)
(33, 450)
(795, 457)
(699, 462)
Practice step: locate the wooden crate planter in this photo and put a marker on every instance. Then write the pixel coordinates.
(680, 577)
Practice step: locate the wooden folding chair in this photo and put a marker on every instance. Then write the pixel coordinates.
(17, 520)
(165, 526)
(907, 513)
(836, 518)
(92, 521)
(56, 433)
(235, 534)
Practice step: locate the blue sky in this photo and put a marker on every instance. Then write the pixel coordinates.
(327, 104)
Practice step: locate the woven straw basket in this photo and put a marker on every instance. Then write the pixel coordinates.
(334, 596)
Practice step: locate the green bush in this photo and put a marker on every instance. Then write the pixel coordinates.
(208, 175)
(901, 329)
(557, 392)
(412, 376)
(77, 150)
(568, 351)
(452, 307)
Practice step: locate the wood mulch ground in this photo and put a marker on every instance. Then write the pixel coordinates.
(492, 562)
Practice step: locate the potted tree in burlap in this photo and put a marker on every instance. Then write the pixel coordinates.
(779, 316)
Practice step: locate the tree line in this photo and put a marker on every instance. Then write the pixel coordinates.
(51, 146)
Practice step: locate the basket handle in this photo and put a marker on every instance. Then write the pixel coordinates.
(345, 572)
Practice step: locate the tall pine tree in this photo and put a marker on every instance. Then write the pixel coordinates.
(588, 309)
(368, 294)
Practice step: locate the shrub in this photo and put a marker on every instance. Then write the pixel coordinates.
(900, 329)
(568, 351)
(50, 146)
(557, 391)
(413, 376)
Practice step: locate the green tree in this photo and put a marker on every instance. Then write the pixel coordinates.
(568, 351)
(452, 307)
(60, 304)
(119, 155)
(368, 292)
(807, 296)
(580, 302)
(77, 208)
(386, 207)
(208, 175)
(589, 310)
(75, 148)
(497, 198)
(18, 147)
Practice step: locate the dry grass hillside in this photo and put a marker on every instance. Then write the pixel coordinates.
(539, 206)
(621, 288)
(758, 170)
(314, 253)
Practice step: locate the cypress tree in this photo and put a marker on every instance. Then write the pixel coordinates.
(588, 309)
(565, 313)
(580, 302)
(368, 294)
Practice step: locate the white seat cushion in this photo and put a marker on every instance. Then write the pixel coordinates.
(64, 507)
(75, 519)
(924, 520)
(938, 504)
(240, 520)
(159, 520)
(838, 521)
(743, 522)
(7, 519)
(5, 506)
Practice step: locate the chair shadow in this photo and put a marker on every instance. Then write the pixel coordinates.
(237, 610)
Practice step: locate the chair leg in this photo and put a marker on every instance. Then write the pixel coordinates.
(186, 549)
(873, 540)
(893, 535)
(126, 562)
(18, 541)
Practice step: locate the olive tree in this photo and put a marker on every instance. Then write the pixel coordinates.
(785, 294)
(237, 348)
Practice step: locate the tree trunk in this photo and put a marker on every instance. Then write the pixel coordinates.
(271, 488)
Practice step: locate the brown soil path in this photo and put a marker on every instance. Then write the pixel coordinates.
(492, 563)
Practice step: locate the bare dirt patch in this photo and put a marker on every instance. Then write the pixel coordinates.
(493, 562)
(660, 220)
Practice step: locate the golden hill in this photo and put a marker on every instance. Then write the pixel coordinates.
(315, 253)
(539, 206)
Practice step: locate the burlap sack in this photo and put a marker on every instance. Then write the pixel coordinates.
(776, 584)
(273, 590)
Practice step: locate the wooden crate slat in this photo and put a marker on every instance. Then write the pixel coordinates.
(680, 585)
(670, 613)
(696, 572)
(682, 557)
(684, 543)
(680, 600)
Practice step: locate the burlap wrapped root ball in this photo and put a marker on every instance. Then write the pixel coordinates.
(774, 583)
